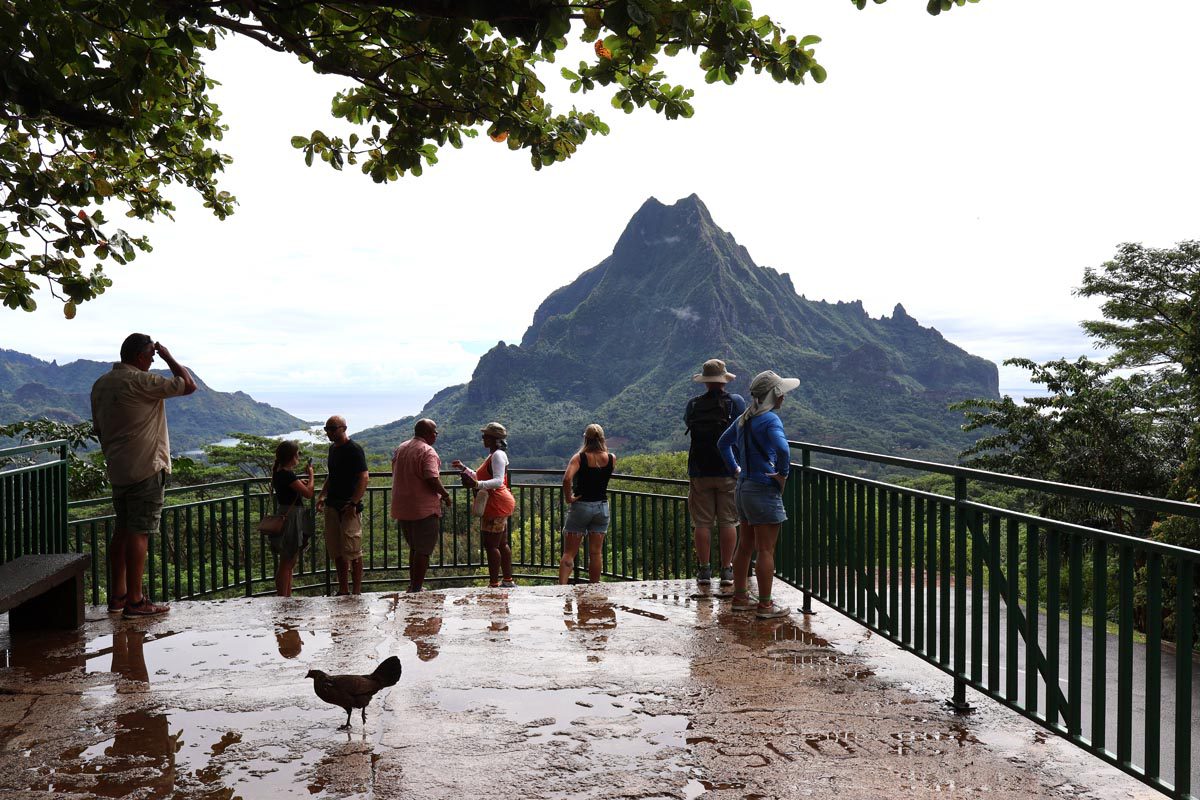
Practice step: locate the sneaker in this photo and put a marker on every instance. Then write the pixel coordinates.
(770, 611)
(143, 609)
(745, 602)
(494, 585)
(704, 576)
(508, 583)
(727, 576)
(116, 604)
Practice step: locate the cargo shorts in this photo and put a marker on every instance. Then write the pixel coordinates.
(711, 502)
(138, 506)
(343, 532)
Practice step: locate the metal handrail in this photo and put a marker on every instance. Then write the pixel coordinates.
(1138, 501)
(997, 598)
(1000, 600)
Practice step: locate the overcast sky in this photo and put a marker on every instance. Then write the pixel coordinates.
(969, 166)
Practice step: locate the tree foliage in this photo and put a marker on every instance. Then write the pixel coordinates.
(108, 101)
(1091, 429)
(86, 475)
(1138, 433)
(1152, 320)
(250, 456)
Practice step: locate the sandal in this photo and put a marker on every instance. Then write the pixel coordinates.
(144, 609)
(116, 604)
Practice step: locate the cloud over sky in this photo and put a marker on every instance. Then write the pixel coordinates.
(969, 166)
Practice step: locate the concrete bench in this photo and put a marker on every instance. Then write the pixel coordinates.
(43, 591)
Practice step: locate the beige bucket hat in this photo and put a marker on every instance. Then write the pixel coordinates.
(713, 371)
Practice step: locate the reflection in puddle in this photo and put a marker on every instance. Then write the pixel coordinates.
(642, 613)
(251, 754)
(423, 632)
(190, 654)
(44, 654)
(793, 633)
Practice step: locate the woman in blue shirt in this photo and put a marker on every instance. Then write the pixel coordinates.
(756, 450)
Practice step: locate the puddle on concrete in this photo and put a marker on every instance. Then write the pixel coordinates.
(189, 654)
(642, 613)
(588, 722)
(793, 633)
(207, 752)
(43, 655)
(424, 631)
(612, 724)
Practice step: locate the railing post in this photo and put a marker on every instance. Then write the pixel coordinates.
(246, 539)
(959, 701)
(64, 545)
(804, 533)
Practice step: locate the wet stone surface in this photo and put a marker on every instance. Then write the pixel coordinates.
(622, 690)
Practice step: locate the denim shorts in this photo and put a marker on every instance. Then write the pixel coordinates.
(587, 516)
(760, 504)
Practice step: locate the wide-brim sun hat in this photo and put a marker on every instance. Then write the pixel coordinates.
(765, 383)
(713, 371)
(495, 430)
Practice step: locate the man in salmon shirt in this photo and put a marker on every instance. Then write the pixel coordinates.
(418, 497)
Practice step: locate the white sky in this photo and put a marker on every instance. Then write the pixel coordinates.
(969, 166)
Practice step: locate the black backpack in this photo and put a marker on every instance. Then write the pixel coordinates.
(707, 418)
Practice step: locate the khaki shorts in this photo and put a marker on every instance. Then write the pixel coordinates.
(343, 533)
(711, 501)
(138, 506)
(421, 534)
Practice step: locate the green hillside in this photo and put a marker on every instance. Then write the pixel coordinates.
(619, 344)
(31, 389)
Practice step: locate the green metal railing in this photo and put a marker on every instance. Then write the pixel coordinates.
(1089, 633)
(33, 500)
(208, 545)
(1017, 606)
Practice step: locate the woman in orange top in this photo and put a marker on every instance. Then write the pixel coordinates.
(492, 476)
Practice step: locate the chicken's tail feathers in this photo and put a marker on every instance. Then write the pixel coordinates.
(388, 672)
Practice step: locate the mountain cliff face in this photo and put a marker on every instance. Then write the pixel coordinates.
(619, 344)
(31, 388)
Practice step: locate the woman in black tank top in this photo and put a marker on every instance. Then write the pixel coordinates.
(585, 492)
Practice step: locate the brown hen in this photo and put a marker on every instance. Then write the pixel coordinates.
(355, 691)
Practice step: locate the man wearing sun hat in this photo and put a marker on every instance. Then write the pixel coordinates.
(710, 482)
(755, 448)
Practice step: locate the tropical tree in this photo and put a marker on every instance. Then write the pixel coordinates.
(108, 100)
(1090, 429)
(250, 456)
(86, 474)
(1152, 322)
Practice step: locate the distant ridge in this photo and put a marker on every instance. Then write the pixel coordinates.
(618, 345)
(31, 388)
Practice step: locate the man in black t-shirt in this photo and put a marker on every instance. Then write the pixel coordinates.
(710, 485)
(341, 498)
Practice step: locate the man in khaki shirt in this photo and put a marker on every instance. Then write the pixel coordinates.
(131, 422)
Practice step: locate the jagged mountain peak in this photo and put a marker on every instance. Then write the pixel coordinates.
(660, 227)
(618, 346)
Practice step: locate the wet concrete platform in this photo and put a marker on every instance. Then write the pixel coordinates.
(638, 690)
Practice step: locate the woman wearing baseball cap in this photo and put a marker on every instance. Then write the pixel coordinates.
(755, 448)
